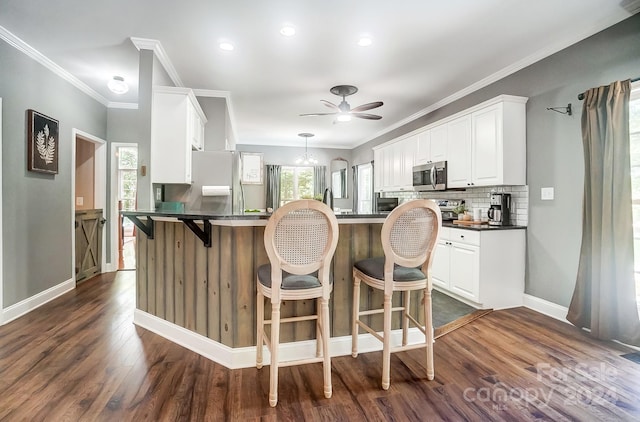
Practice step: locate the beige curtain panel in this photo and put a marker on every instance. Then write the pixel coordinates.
(604, 299)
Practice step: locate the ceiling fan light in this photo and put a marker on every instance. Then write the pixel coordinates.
(117, 85)
(344, 117)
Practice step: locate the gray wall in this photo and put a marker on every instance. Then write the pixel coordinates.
(215, 130)
(554, 146)
(255, 194)
(37, 214)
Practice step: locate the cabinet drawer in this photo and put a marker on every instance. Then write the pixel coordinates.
(445, 233)
(469, 237)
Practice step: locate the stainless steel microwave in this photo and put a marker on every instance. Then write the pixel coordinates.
(431, 176)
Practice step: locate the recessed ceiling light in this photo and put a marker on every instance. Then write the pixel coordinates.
(365, 41)
(226, 46)
(117, 85)
(288, 30)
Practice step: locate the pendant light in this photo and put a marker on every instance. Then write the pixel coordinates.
(307, 158)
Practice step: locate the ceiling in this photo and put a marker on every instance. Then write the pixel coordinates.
(425, 53)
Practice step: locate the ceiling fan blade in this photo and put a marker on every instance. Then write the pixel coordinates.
(318, 114)
(367, 116)
(330, 104)
(368, 106)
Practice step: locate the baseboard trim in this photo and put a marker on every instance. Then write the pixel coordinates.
(545, 307)
(245, 357)
(29, 304)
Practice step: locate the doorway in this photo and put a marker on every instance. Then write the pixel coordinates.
(125, 182)
(88, 203)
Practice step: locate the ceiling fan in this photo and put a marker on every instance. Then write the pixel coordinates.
(343, 110)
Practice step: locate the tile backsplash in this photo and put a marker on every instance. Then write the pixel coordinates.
(477, 198)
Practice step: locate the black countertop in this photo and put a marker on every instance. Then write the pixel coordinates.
(481, 227)
(205, 215)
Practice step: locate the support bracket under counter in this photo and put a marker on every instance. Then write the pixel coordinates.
(146, 228)
(204, 234)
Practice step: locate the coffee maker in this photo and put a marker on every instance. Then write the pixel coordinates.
(500, 209)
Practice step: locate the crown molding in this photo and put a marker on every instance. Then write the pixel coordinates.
(161, 54)
(503, 73)
(25, 48)
(127, 106)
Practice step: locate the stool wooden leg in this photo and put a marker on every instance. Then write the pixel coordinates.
(355, 315)
(406, 298)
(259, 329)
(275, 345)
(326, 335)
(428, 330)
(386, 345)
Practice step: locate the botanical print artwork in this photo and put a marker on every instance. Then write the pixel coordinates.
(46, 145)
(42, 143)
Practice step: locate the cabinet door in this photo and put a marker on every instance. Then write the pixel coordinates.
(440, 266)
(459, 153)
(407, 149)
(197, 130)
(378, 170)
(487, 146)
(465, 270)
(423, 147)
(439, 139)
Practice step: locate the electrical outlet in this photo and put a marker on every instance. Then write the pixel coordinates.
(546, 194)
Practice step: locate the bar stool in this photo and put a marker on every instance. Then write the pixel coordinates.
(409, 235)
(300, 240)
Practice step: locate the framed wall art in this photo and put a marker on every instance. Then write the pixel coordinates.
(42, 143)
(252, 166)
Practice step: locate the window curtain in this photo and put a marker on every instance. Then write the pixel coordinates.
(319, 180)
(354, 171)
(273, 185)
(604, 298)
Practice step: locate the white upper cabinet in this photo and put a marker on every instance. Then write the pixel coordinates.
(484, 145)
(487, 147)
(423, 147)
(393, 164)
(431, 145)
(439, 145)
(177, 128)
(459, 162)
(498, 144)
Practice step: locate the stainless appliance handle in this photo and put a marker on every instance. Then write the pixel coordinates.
(433, 177)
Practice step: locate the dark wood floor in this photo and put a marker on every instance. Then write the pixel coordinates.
(81, 358)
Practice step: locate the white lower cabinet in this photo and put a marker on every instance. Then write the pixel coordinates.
(483, 268)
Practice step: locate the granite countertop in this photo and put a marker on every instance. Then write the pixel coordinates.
(206, 215)
(481, 227)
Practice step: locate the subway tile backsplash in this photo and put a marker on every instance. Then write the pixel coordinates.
(477, 198)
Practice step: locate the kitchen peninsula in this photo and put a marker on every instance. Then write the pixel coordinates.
(196, 274)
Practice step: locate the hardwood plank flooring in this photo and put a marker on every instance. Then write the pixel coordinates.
(81, 358)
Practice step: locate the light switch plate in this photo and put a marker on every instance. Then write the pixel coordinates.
(546, 194)
(79, 201)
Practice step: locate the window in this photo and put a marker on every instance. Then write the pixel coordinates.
(296, 183)
(365, 189)
(634, 131)
(127, 176)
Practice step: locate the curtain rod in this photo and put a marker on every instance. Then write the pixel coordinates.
(581, 96)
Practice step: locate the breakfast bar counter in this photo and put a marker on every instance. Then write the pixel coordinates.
(211, 290)
(196, 280)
